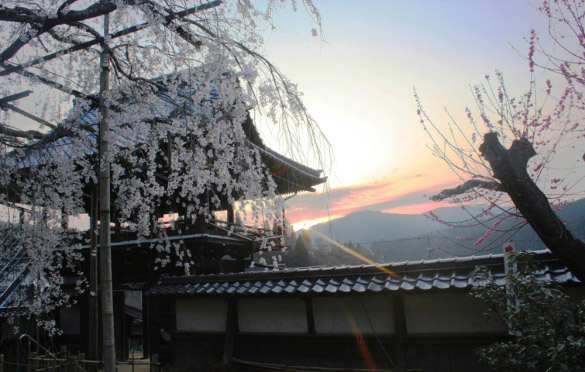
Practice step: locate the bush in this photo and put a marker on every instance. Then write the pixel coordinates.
(548, 328)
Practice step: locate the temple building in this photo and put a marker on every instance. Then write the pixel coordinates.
(208, 234)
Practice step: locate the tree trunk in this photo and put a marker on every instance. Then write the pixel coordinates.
(106, 294)
(509, 166)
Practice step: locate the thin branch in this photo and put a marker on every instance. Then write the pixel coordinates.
(61, 87)
(28, 115)
(64, 5)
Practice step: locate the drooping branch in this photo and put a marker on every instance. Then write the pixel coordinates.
(469, 185)
(169, 24)
(509, 166)
(194, 172)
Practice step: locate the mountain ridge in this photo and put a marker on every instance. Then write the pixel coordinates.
(393, 236)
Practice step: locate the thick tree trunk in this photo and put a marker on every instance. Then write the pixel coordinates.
(509, 166)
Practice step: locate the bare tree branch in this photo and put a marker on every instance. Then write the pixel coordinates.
(469, 185)
(40, 25)
(64, 5)
(15, 97)
(8, 69)
(61, 87)
(24, 15)
(26, 114)
(28, 134)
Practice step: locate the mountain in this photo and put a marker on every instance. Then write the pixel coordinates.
(369, 226)
(397, 237)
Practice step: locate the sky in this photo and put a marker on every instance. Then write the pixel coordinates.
(358, 77)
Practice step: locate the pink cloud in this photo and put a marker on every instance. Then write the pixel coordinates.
(406, 196)
(417, 208)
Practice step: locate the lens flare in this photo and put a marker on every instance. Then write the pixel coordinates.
(363, 346)
(357, 255)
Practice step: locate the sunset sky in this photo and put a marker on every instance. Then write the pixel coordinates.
(358, 84)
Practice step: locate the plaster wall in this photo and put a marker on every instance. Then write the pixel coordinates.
(272, 315)
(352, 315)
(449, 313)
(201, 315)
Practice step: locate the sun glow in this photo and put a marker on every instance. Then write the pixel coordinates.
(305, 224)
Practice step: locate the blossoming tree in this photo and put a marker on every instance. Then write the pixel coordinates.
(168, 82)
(518, 156)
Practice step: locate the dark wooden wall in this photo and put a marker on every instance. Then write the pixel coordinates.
(431, 354)
(447, 353)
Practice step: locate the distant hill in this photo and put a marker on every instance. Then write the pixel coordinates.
(397, 237)
(369, 226)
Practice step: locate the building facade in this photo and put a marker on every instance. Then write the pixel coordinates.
(408, 315)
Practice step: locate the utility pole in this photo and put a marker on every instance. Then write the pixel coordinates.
(106, 295)
(93, 277)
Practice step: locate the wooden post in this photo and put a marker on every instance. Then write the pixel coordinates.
(310, 315)
(145, 327)
(154, 363)
(230, 214)
(1, 362)
(120, 331)
(400, 332)
(230, 332)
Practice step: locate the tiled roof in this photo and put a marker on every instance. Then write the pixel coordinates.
(297, 177)
(440, 274)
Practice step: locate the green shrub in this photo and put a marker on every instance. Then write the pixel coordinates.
(548, 328)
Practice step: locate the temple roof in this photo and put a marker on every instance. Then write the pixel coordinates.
(290, 176)
(424, 275)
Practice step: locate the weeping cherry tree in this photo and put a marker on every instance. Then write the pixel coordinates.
(169, 82)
